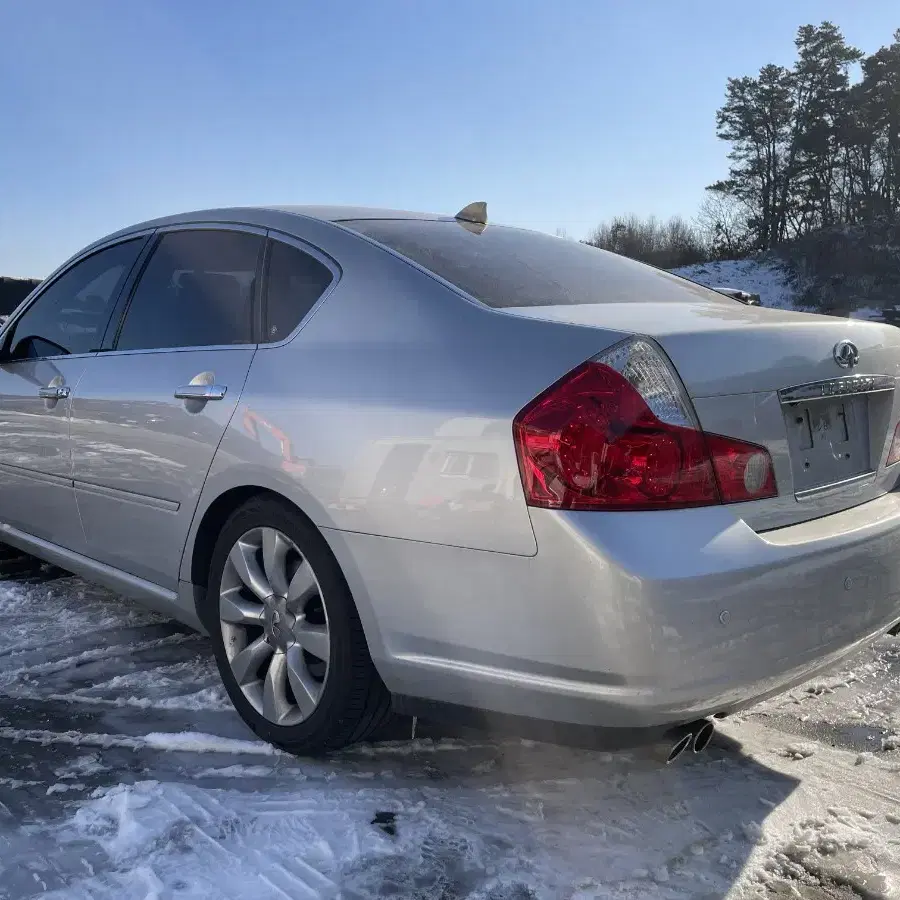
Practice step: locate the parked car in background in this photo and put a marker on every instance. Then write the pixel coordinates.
(744, 296)
(399, 460)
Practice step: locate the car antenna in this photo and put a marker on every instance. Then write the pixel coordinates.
(473, 217)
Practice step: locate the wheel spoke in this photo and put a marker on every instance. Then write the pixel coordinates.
(235, 609)
(313, 638)
(306, 689)
(275, 549)
(243, 558)
(302, 587)
(245, 664)
(276, 705)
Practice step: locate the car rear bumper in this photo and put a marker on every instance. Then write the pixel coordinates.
(627, 619)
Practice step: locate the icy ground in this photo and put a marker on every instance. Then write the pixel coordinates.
(125, 775)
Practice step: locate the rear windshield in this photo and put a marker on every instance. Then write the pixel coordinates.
(505, 266)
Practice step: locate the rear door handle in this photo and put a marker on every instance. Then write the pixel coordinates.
(201, 392)
(54, 393)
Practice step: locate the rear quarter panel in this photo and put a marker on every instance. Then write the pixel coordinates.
(390, 412)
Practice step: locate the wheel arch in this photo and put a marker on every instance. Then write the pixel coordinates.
(209, 523)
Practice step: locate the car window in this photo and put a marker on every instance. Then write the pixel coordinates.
(503, 266)
(197, 290)
(71, 314)
(296, 280)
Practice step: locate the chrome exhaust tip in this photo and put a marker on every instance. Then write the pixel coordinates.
(678, 748)
(673, 743)
(703, 734)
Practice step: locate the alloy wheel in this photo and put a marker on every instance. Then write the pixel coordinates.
(274, 626)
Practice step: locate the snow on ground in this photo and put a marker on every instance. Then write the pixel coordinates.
(768, 278)
(125, 775)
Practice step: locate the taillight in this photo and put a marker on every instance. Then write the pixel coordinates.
(619, 433)
(894, 453)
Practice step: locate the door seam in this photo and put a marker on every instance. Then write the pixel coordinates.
(190, 529)
(69, 415)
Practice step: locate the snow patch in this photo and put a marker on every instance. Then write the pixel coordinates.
(769, 279)
(186, 741)
(63, 787)
(800, 750)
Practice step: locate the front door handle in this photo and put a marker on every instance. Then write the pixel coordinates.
(54, 393)
(201, 392)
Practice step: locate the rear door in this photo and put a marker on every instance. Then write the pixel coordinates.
(43, 356)
(151, 409)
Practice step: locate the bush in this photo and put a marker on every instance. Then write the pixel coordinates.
(664, 244)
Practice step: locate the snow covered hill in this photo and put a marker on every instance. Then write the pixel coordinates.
(769, 279)
(777, 287)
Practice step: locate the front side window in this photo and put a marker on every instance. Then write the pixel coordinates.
(71, 314)
(196, 291)
(296, 281)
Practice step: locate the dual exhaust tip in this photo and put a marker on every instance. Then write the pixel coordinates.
(694, 736)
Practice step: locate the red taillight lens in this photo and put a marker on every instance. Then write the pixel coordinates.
(894, 453)
(592, 442)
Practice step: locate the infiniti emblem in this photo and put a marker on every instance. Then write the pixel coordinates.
(846, 355)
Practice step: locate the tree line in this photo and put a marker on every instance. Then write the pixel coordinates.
(13, 291)
(811, 146)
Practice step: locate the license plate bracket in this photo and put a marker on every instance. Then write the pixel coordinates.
(828, 440)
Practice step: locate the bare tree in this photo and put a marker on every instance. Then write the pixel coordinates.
(722, 222)
(664, 244)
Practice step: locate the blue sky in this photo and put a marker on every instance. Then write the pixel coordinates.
(558, 113)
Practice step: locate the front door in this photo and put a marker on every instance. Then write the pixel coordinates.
(149, 412)
(43, 356)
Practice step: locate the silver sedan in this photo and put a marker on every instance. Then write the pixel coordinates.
(397, 461)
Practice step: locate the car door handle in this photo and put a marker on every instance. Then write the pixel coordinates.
(201, 392)
(54, 393)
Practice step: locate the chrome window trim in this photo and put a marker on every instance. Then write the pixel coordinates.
(331, 264)
(51, 279)
(212, 348)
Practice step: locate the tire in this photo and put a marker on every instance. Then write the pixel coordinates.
(351, 701)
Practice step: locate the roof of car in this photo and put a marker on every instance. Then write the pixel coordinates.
(347, 213)
(258, 213)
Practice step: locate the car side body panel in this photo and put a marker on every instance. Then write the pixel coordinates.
(35, 457)
(140, 455)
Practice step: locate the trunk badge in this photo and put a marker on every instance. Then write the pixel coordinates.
(846, 354)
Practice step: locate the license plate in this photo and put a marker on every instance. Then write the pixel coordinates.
(829, 440)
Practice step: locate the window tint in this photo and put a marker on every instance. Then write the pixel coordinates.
(197, 290)
(296, 281)
(503, 266)
(71, 315)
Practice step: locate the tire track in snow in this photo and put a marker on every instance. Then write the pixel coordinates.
(103, 653)
(185, 742)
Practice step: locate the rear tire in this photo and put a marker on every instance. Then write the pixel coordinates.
(276, 605)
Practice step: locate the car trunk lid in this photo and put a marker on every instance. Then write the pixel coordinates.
(816, 391)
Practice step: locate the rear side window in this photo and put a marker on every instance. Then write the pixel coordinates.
(197, 290)
(502, 266)
(71, 314)
(296, 281)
